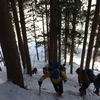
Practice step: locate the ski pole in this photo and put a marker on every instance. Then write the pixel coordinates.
(39, 89)
(83, 97)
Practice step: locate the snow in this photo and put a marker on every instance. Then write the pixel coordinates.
(10, 91)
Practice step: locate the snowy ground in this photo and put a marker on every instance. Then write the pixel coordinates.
(9, 91)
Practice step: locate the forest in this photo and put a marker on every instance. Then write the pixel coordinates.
(59, 25)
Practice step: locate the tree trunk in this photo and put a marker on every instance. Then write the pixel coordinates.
(66, 31)
(59, 34)
(95, 56)
(44, 38)
(27, 57)
(9, 47)
(35, 31)
(73, 35)
(85, 34)
(47, 55)
(53, 30)
(20, 43)
(94, 26)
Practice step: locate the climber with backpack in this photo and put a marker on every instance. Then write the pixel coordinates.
(78, 71)
(85, 81)
(57, 77)
(63, 68)
(97, 84)
(34, 71)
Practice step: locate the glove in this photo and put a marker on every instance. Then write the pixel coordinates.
(39, 82)
(65, 81)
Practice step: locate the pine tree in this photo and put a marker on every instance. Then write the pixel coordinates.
(9, 47)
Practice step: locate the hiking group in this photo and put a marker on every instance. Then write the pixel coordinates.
(85, 78)
(57, 74)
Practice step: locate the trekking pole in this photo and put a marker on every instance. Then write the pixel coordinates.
(39, 82)
(39, 89)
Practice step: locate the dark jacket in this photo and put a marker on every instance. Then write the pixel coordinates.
(84, 79)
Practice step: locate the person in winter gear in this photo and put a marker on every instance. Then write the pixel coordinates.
(63, 68)
(34, 70)
(91, 75)
(78, 71)
(84, 80)
(57, 76)
(97, 84)
(45, 69)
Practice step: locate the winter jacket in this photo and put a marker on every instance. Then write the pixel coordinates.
(84, 79)
(56, 81)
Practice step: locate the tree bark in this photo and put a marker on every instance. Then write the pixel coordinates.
(20, 43)
(95, 55)
(93, 31)
(27, 57)
(9, 47)
(53, 31)
(73, 35)
(35, 31)
(85, 34)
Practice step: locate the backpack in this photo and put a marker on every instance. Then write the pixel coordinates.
(84, 77)
(98, 76)
(97, 81)
(90, 74)
(55, 65)
(56, 76)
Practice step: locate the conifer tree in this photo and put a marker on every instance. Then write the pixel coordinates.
(9, 47)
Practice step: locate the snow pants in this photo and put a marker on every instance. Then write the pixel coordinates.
(58, 87)
(79, 79)
(83, 89)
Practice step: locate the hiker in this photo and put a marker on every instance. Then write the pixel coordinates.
(47, 68)
(97, 84)
(78, 71)
(57, 76)
(85, 82)
(34, 71)
(63, 67)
